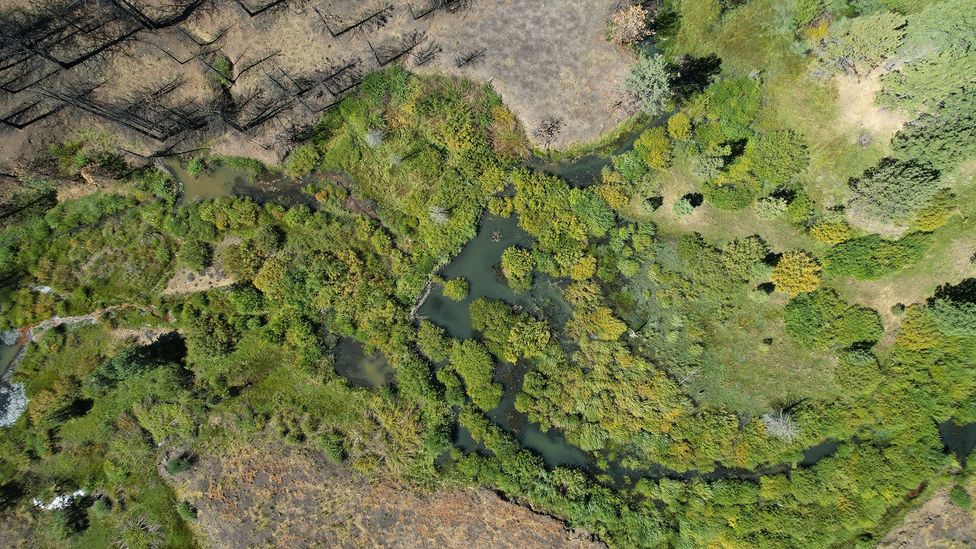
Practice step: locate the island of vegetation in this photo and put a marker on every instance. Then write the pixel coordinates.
(744, 318)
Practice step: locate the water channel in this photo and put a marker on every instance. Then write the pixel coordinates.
(478, 263)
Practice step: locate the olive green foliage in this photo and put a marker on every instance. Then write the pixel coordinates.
(186, 511)
(654, 148)
(832, 231)
(796, 273)
(436, 154)
(683, 207)
(649, 83)
(808, 10)
(892, 191)
(939, 57)
(679, 126)
(937, 212)
(302, 160)
(733, 104)
(944, 137)
(432, 342)
(88, 149)
(777, 156)
(960, 497)
(178, 465)
(823, 319)
(128, 235)
(456, 289)
(697, 21)
(954, 318)
(196, 254)
(871, 256)
(472, 362)
(334, 446)
(863, 42)
(517, 266)
(562, 219)
(771, 207)
(667, 358)
(508, 336)
(223, 70)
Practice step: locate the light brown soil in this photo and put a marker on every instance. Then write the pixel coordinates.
(546, 59)
(263, 496)
(141, 336)
(187, 282)
(937, 524)
(16, 530)
(855, 98)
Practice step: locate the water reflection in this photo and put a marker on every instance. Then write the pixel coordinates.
(362, 370)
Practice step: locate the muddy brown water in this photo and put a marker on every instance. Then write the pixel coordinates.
(227, 180)
(359, 368)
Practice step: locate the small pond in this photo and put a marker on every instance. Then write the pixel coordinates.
(586, 170)
(959, 439)
(362, 370)
(479, 263)
(226, 180)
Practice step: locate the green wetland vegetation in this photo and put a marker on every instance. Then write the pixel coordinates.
(675, 340)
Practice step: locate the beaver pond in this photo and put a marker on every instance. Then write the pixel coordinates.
(478, 263)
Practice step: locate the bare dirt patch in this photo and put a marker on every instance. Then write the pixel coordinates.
(545, 59)
(186, 281)
(259, 496)
(855, 99)
(158, 90)
(938, 523)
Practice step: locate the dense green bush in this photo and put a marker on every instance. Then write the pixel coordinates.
(302, 160)
(196, 255)
(891, 191)
(456, 289)
(944, 137)
(472, 362)
(871, 256)
(649, 83)
(823, 319)
(517, 266)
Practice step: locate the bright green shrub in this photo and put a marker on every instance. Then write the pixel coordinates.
(823, 319)
(654, 148)
(517, 266)
(456, 289)
(872, 257)
(302, 160)
(472, 362)
(777, 156)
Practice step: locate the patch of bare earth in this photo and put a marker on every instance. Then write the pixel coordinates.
(938, 523)
(855, 100)
(546, 59)
(141, 336)
(16, 530)
(186, 281)
(258, 496)
(293, 61)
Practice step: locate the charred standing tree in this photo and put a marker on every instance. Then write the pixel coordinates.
(367, 22)
(391, 51)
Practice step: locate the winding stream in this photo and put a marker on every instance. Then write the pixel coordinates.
(478, 263)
